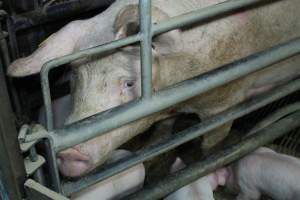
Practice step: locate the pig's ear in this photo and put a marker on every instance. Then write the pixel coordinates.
(59, 44)
(127, 24)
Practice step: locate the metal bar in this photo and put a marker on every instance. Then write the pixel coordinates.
(186, 19)
(37, 191)
(51, 162)
(66, 59)
(193, 172)
(146, 47)
(103, 122)
(11, 160)
(205, 14)
(185, 136)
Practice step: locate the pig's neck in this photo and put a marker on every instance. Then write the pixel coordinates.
(178, 67)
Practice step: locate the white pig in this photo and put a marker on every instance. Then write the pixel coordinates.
(266, 172)
(117, 186)
(201, 189)
(106, 81)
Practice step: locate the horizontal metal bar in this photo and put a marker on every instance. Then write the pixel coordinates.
(177, 22)
(192, 173)
(146, 47)
(204, 14)
(36, 191)
(183, 137)
(104, 122)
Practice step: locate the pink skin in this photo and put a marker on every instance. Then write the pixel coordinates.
(265, 172)
(201, 189)
(73, 159)
(118, 186)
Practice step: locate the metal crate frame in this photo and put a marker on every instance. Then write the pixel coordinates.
(99, 124)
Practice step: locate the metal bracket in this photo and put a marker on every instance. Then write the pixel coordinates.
(34, 161)
(36, 191)
(32, 166)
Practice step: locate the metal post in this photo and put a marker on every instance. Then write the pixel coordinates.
(11, 160)
(146, 47)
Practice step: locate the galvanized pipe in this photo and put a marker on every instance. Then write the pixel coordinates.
(205, 14)
(146, 47)
(199, 169)
(177, 22)
(101, 123)
(185, 136)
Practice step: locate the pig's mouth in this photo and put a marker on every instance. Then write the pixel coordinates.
(73, 163)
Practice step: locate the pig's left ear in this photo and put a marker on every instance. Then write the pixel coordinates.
(127, 24)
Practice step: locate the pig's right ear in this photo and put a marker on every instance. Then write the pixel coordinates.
(59, 44)
(127, 24)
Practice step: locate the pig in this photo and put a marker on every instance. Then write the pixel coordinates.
(105, 81)
(203, 188)
(61, 109)
(265, 172)
(117, 186)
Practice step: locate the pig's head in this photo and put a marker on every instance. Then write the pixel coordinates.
(103, 82)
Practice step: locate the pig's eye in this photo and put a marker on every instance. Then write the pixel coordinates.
(129, 83)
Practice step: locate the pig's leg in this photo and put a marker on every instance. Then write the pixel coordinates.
(214, 137)
(248, 191)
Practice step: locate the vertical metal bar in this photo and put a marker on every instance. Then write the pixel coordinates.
(146, 47)
(53, 170)
(11, 160)
(47, 98)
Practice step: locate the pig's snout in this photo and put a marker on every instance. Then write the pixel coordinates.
(73, 163)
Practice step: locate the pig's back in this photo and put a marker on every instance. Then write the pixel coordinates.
(273, 174)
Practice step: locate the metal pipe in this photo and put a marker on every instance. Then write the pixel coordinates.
(185, 136)
(199, 15)
(205, 14)
(146, 47)
(101, 123)
(53, 170)
(199, 169)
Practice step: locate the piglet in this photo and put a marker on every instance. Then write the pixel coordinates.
(118, 186)
(266, 172)
(201, 189)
